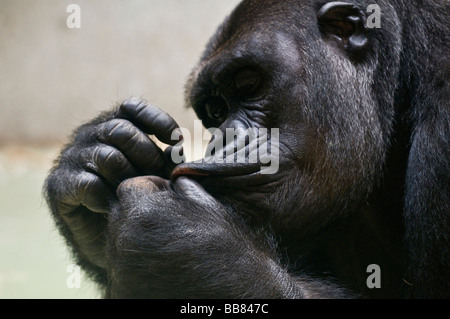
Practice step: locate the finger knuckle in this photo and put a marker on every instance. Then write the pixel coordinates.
(118, 126)
(106, 155)
(84, 181)
(135, 186)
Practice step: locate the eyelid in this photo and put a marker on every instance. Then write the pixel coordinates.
(244, 77)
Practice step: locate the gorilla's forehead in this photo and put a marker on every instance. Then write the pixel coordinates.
(267, 27)
(265, 17)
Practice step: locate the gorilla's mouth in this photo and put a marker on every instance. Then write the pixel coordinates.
(205, 169)
(220, 174)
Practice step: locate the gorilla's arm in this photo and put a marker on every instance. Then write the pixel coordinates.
(174, 240)
(102, 153)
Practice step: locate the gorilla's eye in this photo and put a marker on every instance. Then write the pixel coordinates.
(216, 108)
(247, 82)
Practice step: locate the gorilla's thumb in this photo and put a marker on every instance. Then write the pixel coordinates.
(141, 186)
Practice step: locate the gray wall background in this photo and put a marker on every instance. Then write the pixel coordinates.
(53, 78)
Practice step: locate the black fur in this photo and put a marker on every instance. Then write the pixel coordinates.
(364, 172)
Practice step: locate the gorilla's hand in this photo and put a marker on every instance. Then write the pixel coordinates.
(176, 240)
(113, 147)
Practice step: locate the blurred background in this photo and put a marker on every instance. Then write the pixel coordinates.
(53, 79)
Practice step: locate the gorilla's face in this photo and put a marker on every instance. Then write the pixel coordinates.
(311, 79)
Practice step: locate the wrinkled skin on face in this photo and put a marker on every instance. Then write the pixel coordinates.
(360, 154)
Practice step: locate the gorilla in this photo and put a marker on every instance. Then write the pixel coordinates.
(363, 179)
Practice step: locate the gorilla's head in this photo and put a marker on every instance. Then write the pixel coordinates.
(318, 74)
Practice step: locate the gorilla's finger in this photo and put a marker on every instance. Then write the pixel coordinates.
(151, 119)
(85, 189)
(110, 164)
(137, 147)
(95, 193)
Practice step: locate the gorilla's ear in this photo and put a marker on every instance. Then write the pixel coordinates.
(345, 24)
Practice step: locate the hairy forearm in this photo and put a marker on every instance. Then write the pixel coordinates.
(261, 276)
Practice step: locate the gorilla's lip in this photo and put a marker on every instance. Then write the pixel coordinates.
(214, 170)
